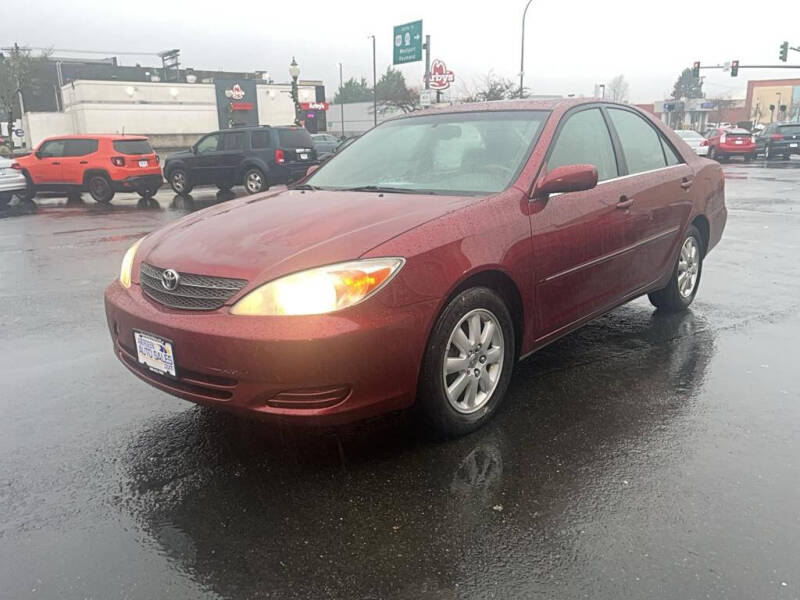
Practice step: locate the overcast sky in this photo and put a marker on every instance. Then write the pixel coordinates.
(570, 45)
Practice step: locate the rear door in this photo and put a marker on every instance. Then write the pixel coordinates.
(657, 184)
(77, 153)
(578, 236)
(230, 156)
(47, 168)
(204, 163)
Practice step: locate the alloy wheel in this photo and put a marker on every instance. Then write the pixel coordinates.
(473, 361)
(179, 181)
(688, 267)
(254, 182)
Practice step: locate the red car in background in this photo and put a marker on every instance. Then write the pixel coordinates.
(724, 143)
(419, 264)
(99, 164)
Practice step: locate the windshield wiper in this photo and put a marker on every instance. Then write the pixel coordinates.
(305, 186)
(385, 189)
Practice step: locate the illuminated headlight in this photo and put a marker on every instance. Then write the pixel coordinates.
(127, 265)
(321, 290)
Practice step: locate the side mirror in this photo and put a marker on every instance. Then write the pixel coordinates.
(311, 169)
(37, 154)
(569, 178)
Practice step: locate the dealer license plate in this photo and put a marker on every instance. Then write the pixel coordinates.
(303, 156)
(155, 354)
(738, 142)
(142, 163)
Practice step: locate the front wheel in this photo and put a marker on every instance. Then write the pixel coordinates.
(467, 365)
(682, 287)
(255, 181)
(179, 181)
(100, 189)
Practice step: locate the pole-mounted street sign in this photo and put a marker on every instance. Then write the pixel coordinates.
(407, 43)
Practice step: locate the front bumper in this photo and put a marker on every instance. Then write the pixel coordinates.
(330, 369)
(139, 182)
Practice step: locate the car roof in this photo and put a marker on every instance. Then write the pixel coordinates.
(549, 104)
(97, 136)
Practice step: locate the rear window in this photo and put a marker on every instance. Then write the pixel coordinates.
(737, 132)
(294, 138)
(133, 147)
(789, 129)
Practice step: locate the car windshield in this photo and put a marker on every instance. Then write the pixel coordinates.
(468, 153)
(688, 134)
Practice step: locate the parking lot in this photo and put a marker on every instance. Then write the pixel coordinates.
(644, 456)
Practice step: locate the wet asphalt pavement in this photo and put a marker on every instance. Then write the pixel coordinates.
(645, 456)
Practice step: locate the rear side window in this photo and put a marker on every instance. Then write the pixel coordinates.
(233, 141)
(641, 144)
(80, 147)
(259, 139)
(584, 140)
(132, 147)
(295, 138)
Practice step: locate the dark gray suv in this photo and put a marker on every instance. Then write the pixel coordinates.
(779, 140)
(255, 157)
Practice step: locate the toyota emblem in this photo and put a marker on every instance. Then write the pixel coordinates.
(169, 279)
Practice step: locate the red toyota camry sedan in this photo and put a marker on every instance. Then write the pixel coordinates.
(419, 264)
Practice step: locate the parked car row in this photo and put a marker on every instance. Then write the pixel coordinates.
(102, 165)
(776, 140)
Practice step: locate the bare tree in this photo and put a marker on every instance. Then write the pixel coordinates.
(617, 89)
(492, 87)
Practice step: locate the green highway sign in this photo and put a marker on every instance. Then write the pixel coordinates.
(407, 43)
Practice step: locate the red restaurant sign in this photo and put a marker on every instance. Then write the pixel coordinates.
(315, 105)
(441, 77)
(241, 106)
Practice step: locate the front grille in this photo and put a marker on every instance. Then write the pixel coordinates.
(194, 292)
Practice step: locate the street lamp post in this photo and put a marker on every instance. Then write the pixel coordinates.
(294, 73)
(522, 51)
(341, 104)
(374, 85)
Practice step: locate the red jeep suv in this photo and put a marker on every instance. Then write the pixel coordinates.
(99, 164)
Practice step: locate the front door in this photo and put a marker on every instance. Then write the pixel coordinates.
(47, 169)
(578, 237)
(204, 164)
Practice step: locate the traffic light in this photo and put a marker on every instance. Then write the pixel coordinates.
(784, 51)
(696, 69)
(734, 68)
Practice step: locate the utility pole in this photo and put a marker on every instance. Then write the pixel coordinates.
(341, 104)
(374, 85)
(427, 47)
(522, 51)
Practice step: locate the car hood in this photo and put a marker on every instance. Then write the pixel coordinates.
(262, 237)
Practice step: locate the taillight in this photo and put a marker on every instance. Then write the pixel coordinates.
(279, 158)
(776, 136)
(17, 166)
(118, 161)
(704, 143)
(723, 138)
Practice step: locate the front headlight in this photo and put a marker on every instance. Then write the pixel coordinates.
(127, 265)
(321, 290)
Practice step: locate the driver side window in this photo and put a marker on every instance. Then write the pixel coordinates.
(52, 149)
(584, 140)
(208, 144)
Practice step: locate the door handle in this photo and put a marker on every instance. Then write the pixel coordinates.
(55, 162)
(84, 162)
(686, 183)
(624, 202)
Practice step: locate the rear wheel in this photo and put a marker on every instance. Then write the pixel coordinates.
(100, 188)
(5, 198)
(179, 181)
(467, 365)
(712, 153)
(682, 287)
(255, 181)
(147, 192)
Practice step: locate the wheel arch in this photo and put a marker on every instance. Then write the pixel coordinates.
(91, 172)
(249, 163)
(502, 283)
(704, 227)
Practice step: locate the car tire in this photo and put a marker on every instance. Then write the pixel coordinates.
(452, 401)
(29, 193)
(712, 153)
(768, 152)
(147, 192)
(685, 281)
(100, 188)
(255, 181)
(179, 181)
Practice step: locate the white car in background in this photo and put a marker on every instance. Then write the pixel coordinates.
(696, 141)
(12, 181)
